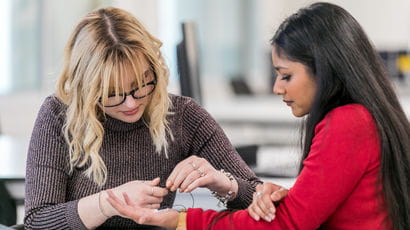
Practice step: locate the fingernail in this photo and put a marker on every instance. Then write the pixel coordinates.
(267, 218)
(271, 217)
(256, 218)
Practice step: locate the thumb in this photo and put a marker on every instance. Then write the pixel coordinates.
(279, 195)
(154, 182)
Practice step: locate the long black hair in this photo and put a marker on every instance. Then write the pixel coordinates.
(347, 69)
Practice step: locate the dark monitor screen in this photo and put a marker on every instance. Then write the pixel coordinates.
(188, 63)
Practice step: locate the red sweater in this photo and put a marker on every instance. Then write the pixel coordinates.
(338, 187)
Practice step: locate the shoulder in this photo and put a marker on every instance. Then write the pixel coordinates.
(186, 106)
(351, 114)
(181, 101)
(351, 119)
(52, 106)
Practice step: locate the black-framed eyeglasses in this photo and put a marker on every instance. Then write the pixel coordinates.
(137, 93)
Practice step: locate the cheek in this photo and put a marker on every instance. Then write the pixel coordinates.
(147, 100)
(110, 111)
(309, 98)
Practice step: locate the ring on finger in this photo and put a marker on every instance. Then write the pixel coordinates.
(258, 194)
(152, 191)
(193, 165)
(201, 174)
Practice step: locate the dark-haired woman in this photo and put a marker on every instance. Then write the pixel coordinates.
(355, 172)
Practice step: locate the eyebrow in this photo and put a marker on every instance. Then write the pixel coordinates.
(280, 67)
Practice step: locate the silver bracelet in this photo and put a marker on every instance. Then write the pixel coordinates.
(223, 199)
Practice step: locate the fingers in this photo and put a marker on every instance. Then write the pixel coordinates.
(128, 202)
(122, 208)
(279, 194)
(188, 172)
(266, 207)
(153, 182)
(264, 201)
(195, 179)
(156, 191)
(182, 169)
(253, 209)
(128, 209)
(202, 181)
(177, 169)
(182, 175)
(145, 194)
(262, 206)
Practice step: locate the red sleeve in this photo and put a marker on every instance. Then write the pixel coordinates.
(339, 156)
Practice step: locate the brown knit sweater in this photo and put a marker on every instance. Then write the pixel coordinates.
(52, 192)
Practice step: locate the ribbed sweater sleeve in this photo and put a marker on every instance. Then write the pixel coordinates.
(47, 173)
(202, 136)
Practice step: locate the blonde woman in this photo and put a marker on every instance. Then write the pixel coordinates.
(112, 125)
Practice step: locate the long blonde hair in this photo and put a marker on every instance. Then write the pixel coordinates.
(101, 46)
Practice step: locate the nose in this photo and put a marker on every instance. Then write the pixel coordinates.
(130, 101)
(278, 89)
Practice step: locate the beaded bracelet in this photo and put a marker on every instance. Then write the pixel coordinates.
(223, 199)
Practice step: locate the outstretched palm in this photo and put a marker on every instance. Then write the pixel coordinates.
(165, 218)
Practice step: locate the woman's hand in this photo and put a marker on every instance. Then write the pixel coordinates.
(195, 172)
(167, 218)
(143, 194)
(262, 205)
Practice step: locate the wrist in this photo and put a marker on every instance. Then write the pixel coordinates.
(105, 207)
(181, 224)
(171, 219)
(230, 189)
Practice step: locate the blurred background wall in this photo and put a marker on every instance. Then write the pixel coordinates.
(233, 37)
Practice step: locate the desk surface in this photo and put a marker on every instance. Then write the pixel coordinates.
(13, 154)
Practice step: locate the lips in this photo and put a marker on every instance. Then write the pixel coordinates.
(288, 102)
(131, 112)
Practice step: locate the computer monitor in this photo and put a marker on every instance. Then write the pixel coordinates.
(188, 62)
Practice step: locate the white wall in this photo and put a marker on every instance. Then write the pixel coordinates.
(19, 110)
(386, 22)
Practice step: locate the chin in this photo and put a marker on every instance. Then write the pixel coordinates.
(131, 119)
(298, 113)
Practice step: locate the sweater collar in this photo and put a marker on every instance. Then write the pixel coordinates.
(121, 126)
